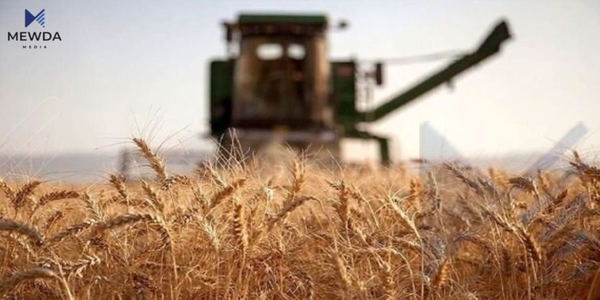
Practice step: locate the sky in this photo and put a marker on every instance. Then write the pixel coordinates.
(127, 68)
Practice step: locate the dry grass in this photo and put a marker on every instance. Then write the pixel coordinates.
(247, 231)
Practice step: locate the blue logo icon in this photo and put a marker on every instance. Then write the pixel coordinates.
(29, 18)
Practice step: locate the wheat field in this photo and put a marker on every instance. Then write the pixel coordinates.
(251, 230)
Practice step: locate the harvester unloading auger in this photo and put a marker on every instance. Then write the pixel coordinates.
(279, 81)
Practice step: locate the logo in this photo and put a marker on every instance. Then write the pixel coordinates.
(40, 18)
(35, 39)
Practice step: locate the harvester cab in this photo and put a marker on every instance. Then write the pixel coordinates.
(278, 83)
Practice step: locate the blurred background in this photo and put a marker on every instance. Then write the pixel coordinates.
(140, 68)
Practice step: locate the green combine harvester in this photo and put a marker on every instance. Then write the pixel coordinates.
(279, 82)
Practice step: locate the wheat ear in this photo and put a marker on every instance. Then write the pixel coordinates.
(239, 227)
(153, 159)
(31, 274)
(21, 228)
(153, 196)
(225, 192)
(20, 196)
(71, 230)
(288, 207)
(92, 207)
(54, 196)
(119, 183)
(441, 275)
(8, 191)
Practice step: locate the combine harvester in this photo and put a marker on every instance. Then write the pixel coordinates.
(279, 83)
